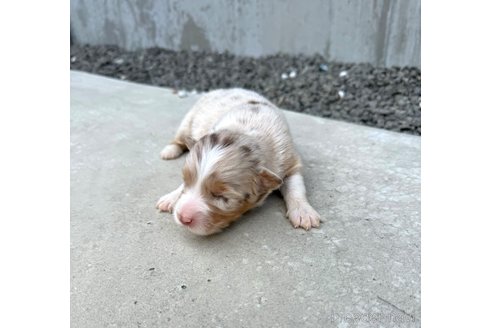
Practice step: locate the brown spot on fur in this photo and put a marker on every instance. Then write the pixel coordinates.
(221, 138)
(254, 102)
(213, 139)
(255, 162)
(227, 140)
(245, 149)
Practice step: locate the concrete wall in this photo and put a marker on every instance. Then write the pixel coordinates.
(381, 32)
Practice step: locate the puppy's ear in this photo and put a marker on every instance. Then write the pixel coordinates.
(268, 180)
(189, 142)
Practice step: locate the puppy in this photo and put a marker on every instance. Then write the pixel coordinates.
(240, 151)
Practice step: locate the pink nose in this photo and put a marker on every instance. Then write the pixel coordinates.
(189, 212)
(185, 219)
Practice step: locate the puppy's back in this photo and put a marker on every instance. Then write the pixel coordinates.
(249, 113)
(213, 105)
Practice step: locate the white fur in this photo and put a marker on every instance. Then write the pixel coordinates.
(299, 211)
(210, 157)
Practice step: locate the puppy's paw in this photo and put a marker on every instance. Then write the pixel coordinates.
(166, 203)
(304, 216)
(171, 151)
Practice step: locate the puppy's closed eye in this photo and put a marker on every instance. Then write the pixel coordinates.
(219, 197)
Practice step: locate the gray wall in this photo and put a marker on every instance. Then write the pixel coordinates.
(381, 32)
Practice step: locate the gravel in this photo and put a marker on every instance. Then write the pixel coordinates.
(387, 98)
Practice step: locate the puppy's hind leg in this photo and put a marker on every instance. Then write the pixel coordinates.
(178, 145)
(172, 151)
(299, 211)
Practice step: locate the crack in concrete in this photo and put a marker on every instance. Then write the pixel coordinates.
(395, 307)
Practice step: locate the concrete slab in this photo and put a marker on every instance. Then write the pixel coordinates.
(133, 267)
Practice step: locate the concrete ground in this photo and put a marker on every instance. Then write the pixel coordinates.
(134, 267)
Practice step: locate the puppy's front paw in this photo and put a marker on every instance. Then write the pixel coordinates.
(166, 202)
(171, 151)
(304, 216)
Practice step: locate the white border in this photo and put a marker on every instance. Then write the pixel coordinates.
(456, 153)
(35, 164)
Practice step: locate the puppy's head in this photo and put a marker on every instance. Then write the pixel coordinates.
(223, 178)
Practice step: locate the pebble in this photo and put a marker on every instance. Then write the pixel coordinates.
(182, 94)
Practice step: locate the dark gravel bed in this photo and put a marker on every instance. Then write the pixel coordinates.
(387, 98)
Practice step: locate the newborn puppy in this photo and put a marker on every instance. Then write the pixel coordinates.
(240, 151)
